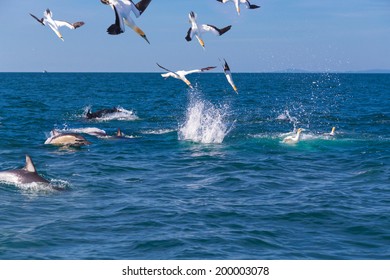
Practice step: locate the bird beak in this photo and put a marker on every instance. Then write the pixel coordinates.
(201, 42)
(146, 39)
(238, 10)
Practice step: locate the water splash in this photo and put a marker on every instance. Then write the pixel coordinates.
(205, 123)
(285, 116)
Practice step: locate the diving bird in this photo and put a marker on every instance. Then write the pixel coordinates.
(228, 75)
(292, 139)
(122, 9)
(181, 75)
(197, 30)
(26, 175)
(237, 4)
(56, 24)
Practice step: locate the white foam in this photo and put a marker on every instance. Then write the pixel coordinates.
(204, 123)
(158, 131)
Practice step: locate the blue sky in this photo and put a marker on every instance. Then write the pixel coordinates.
(315, 35)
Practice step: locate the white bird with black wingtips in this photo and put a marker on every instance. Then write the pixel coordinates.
(56, 24)
(181, 75)
(237, 4)
(122, 9)
(197, 30)
(228, 74)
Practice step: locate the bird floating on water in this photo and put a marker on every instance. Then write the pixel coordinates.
(122, 9)
(228, 75)
(237, 4)
(292, 139)
(56, 24)
(197, 30)
(181, 75)
(332, 133)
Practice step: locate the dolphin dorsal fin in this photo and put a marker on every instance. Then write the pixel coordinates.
(29, 165)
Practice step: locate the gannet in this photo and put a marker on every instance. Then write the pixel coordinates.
(122, 9)
(228, 75)
(332, 133)
(197, 30)
(237, 3)
(55, 24)
(293, 138)
(181, 75)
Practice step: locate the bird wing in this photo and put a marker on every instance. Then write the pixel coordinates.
(117, 27)
(190, 34)
(226, 67)
(249, 5)
(213, 29)
(199, 70)
(141, 7)
(39, 20)
(174, 73)
(61, 23)
(246, 2)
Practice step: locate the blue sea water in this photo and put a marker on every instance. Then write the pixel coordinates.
(200, 174)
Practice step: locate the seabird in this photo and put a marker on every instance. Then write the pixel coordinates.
(197, 29)
(122, 9)
(237, 3)
(292, 139)
(181, 75)
(228, 75)
(332, 133)
(55, 24)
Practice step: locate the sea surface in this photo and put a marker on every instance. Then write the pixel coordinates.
(200, 173)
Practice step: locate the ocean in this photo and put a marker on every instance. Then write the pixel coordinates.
(200, 173)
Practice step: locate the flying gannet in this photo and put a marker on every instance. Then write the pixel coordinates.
(55, 24)
(122, 9)
(237, 4)
(181, 75)
(292, 139)
(228, 75)
(197, 30)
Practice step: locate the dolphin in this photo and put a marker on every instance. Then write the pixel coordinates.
(66, 139)
(101, 113)
(28, 174)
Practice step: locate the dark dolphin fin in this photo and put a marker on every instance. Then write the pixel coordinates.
(188, 37)
(142, 5)
(29, 165)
